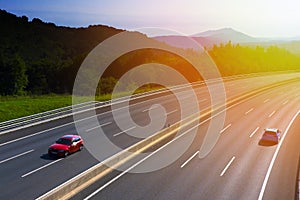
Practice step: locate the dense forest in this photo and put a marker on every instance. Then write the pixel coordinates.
(40, 58)
(236, 59)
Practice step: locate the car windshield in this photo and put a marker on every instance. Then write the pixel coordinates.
(270, 133)
(63, 141)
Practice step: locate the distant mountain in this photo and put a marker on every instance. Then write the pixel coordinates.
(226, 34)
(209, 38)
(187, 42)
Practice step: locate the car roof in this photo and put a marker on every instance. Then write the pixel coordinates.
(70, 137)
(271, 129)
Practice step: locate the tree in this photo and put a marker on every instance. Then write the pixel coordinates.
(13, 75)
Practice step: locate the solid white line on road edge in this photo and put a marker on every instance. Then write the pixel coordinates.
(270, 115)
(263, 188)
(88, 130)
(285, 102)
(265, 101)
(254, 132)
(33, 171)
(124, 131)
(171, 112)
(21, 154)
(227, 166)
(224, 129)
(246, 113)
(188, 160)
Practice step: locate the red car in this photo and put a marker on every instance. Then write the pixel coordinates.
(66, 145)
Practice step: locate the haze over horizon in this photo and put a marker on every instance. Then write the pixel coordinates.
(256, 18)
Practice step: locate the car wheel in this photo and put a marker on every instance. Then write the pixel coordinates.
(81, 147)
(66, 153)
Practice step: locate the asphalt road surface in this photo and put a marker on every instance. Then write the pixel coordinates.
(235, 169)
(239, 167)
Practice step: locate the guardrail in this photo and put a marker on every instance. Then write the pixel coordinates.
(83, 180)
(45, 115)
(28, 121)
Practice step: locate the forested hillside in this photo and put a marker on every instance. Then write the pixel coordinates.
(41, 58)
(235, 59)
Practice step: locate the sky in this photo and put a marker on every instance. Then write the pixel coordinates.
(257, 18)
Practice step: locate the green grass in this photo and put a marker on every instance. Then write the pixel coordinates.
(15, 107)
(12, 107)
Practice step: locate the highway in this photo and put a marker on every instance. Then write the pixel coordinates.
(27, 172)
(235, 169)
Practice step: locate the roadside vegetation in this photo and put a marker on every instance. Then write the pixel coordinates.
(12, 107)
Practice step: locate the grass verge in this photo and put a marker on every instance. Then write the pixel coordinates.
(12, 107)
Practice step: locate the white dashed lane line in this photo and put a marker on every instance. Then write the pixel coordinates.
(272, 113)
(227, 166)
(33, 171)
(254, 132)
(101, 125)
(188, 160)
(246, 113)
(224, 129)
(285, 102)
(171, 112)
(124, 131)
(16, 156)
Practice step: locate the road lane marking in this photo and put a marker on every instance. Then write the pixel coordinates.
(171, 112)
(285, 102)
(152, 107)
(202, 100)
(188, 160)
(265, 101)
(16, 156)
(254, 132)
(34, 134)
(33, 171)
(88, 130)
(124, 131)
(227, 166)
(263, 188)
(272, 113)
(224, 129)
(246, 113)
(142, 160)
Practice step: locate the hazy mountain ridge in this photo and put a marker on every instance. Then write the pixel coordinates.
(215, 37)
